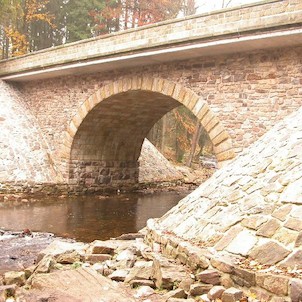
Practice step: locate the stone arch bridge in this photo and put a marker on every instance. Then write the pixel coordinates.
(90, 104)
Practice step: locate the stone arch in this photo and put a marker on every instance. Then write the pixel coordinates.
(158, 87)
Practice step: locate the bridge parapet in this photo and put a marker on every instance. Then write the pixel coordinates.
(157, 42)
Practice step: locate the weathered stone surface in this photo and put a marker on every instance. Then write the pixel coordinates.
(119, 275)
(298, 241)
(94, 258)
(293, 224)
(231, 295)
(209, 277)
(216, 292)
(7, 291)
(296, 290)
(223, 263)
(59, 247)
(140, 273)
(269, 228)
(14, 278)
(167, 275)
(199, 289)
(269, 253)
(243, 277)
(82, 285)
(275, 284)
(293, 261)
(144, 291)
(242, 243)
(69, 257)
(228, 237)
(101, 247)
(282, 212)
(293, 193)
(177, 293)
(141, 282)
(286, 236)
(254, 222)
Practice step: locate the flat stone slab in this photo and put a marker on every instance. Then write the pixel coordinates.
(82, 284)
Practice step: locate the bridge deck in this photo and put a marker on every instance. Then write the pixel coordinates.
(269, 23)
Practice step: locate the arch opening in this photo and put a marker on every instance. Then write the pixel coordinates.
(104, 140)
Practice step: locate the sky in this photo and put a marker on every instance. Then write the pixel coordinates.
(208, 5)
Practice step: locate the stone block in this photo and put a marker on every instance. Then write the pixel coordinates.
(269, 253)
(198, 289)
(12, 277)
(278, 285)
(293, 261)
(269, 228)
(231, 295)
(243, 277)
(216, 292)
(296, 290)
(209, 276)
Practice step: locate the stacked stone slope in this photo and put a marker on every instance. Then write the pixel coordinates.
(24, 155)
(250, 210)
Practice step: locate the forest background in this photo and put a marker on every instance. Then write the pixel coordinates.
(31, 25)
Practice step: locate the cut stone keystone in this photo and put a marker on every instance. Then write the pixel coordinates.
(232, 295)
(199, 289)
(269, 253)
(296, 290)
(14, 278)
(209, 277)
(216, 292)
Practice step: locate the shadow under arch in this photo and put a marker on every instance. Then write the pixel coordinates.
(103, 141)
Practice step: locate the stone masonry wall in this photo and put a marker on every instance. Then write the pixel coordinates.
(24, 156)
(248, 92)
(265, 15)
(245, 221)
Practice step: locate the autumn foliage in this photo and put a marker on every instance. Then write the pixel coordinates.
(29, 25)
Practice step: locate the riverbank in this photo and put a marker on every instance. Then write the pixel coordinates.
(122, 269)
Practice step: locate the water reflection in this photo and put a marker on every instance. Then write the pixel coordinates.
(90, 217)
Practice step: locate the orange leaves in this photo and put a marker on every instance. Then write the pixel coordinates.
(35, 11)
(18, 41)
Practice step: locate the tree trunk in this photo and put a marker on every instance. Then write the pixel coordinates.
(194, 143)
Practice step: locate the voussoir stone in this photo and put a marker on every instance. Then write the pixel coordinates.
(269, 253)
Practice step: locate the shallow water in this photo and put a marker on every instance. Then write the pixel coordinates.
(87, 218)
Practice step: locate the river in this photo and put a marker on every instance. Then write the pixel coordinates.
(86, 218)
